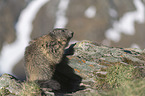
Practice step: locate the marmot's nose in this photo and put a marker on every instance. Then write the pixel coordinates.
(71, 33)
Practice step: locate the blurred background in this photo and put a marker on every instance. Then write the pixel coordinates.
(118, 23)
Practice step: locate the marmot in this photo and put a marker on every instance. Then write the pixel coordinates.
(43, 53)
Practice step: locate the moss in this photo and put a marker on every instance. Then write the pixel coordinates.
(130, 88)
(4, 91)
(121, 80)
(117, 75)
(30, 89)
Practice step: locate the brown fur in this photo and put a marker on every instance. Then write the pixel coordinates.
(44, 53)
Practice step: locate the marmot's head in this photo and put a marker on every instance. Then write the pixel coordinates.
(61, 33)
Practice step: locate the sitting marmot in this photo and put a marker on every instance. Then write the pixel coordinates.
(42, 55)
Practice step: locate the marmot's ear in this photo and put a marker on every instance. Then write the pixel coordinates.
(32, 41)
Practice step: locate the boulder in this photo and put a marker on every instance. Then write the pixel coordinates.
(9, 85)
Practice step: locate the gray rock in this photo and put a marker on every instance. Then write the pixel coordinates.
(89, 60)
(10, 85)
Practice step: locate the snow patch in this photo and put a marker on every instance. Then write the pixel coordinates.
(126, 24)
(135, 46)
(61, 19)
(113, 13)
(90, 12)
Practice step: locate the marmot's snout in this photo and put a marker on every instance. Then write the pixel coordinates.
(70, 34)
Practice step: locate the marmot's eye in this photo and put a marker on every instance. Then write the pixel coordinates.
(63, 30)
(46, 45)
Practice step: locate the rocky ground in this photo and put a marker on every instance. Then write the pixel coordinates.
(89, 69)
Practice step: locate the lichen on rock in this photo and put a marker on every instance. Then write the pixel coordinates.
(9, 85)
(90, 59)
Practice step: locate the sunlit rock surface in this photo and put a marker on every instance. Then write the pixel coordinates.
(9, 85)
(88, 61)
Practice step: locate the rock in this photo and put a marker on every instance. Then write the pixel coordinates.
(90, 60)
(84, 63)
(9, 84)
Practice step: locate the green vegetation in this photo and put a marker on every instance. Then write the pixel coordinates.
(118, 74)
(4, 91)
(122, 80)
(129, 88)
(30, 89)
